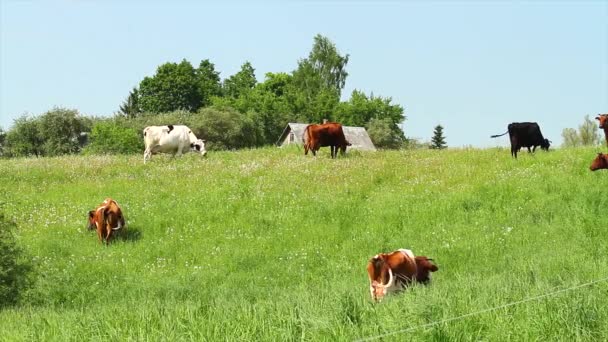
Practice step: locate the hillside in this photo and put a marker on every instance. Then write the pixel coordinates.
(267, 244)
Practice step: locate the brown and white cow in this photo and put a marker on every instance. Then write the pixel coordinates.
(391, 272)
(600, 162)
(106, 219)
(327, 134)
(603, 119)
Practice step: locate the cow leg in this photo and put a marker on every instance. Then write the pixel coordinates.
(108, 234)
(100, 235)
(332, 151)
(305, 149)
(147, 154)
(514, 152)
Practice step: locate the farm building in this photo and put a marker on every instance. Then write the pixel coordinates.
(357, 136)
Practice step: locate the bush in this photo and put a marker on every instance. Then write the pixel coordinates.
(113, 137)
(15, 271)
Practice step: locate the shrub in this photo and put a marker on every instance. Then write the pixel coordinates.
(15, 271)
(113, 137)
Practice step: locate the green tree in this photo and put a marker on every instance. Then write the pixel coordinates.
(59, 131)
(24, 138)
(2, 141)
(15, 270)
(318, 81)
(130, 107)
(382, 133)
(438, 140)
(173, 87)
(208, 81)
(361, 109)
(240, 83)
(324, 67)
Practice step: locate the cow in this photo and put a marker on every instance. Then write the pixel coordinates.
(391, 272)
(600, 162)
(603, 121)
(106, 219)
(173, 139)
(327, 134)
(525, 134)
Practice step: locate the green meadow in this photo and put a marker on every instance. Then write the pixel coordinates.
(270, 245)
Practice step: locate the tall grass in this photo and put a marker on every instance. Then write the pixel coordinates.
(268, 244)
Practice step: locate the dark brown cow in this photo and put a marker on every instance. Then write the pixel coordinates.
(600, 162)
(106, 219)
(327, 134)
(390, 272)
(603, 119)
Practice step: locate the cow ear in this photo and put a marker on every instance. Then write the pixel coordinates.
(191, 145)
(597, 118)
(426, 264)
(91, 213)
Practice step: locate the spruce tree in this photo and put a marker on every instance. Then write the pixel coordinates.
(438, 140)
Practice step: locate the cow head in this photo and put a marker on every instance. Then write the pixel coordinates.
(603, 120)
(113, 216)
(424, 267)
(545, 144)
(199, 146)
(381, 277)
(92, 220)
(600, 162)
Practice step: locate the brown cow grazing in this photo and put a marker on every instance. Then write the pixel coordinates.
(391, 272)
(106, 219)
(603, 119)
(327, 134)
(600, 162)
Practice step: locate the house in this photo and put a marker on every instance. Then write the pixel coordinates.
(357, 136)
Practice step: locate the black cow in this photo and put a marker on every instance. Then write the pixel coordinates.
(525, 134)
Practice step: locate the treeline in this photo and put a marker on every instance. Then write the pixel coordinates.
(236, 112)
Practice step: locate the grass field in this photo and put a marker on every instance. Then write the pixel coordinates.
(271, 245)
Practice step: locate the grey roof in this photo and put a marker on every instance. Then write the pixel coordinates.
(357, 136)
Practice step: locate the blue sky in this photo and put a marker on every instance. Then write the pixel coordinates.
(472, 67)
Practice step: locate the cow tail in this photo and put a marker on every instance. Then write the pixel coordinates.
(499, 135)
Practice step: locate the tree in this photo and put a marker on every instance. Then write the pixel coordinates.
(587, 134)
(382, 133)
(208, 81)
(240, 83)
(361, 109)
(130, 107)
(59, 130)
(2, 140)
(570, 137)
(324, 67)
(438, 140)
(318, 81)
(24, 138)
(173, 87)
